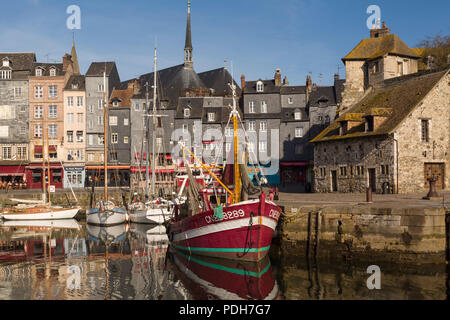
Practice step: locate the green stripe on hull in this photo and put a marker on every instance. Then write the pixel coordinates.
(231, 270)
(228, 250)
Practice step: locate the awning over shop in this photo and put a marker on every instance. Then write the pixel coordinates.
(52, 149)
(39, 166)
(109, 167)
(135, 169)
(38, 149)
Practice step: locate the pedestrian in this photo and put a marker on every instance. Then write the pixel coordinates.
(271, 194)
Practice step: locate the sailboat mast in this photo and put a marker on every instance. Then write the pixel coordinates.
(48, 166)
(105, 136)
(237, 177)
(44, 190)
(154, 124)
(147, 124)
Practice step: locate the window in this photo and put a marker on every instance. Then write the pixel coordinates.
(4, 131)
(263, 125)
(6, 153)
(262, 146)
(52, 131)
(228, 146)
(425, 130)
(229, 132)
(360, 170)
(385, 169)
(298, 115)
(38, 92)
(291, 100)
(38, 112)
(211, 116)
(100, 104)
(69, 136)
(17, 92)
(52, 111)
(23, 130)
(80, 118)
(263, 107)
(38, 131)
(101, 88)
(299, 132)
(126, 121)
(113, 155)
(116, 103)
(136, 106)
(70, 101)
(259, 86)
(52, 91)
(90, 157)
(252, 125)
(79, 101)
(21, 153)
(125, 140)
(114, 138)
(251, 107)
(343, 171)
(101, 140)
(251, 147)
(91, 139)
(91, 124)
(187, 112)
(80, 136)
(38, 72)
(113, 121)
(185, 128)
(100, 120)
(323, 172)
(70, 118)
(5, 74)
(91, 109)
(52, 72)
(400, 68)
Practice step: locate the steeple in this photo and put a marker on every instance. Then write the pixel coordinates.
(188, 59)
(76, 67)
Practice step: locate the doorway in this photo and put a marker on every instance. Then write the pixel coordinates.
(373, 180)
(334, 182)
(435, 170)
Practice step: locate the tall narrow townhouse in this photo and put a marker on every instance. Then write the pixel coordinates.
(46, 85)
(75, 132)
(95, 92)
(15, 69)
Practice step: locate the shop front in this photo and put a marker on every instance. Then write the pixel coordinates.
(34, 175)
(74, 177)
(13, 177)
(296, 176)
(118, 176)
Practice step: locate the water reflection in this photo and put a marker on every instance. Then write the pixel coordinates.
(68, 260)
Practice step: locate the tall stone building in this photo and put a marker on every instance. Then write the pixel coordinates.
(15, 69)
(382, 56)
(46, 112)
(95, 97)
(394, 139)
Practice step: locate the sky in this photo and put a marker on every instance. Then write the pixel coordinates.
(300, 37)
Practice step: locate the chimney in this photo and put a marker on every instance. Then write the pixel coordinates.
(135, 85)
(285, 81)
(243, 82)
(308, 84)
(66, 61)
(336, 77)
(380, 32)
(278, 78)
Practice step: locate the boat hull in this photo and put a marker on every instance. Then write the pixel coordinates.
(106, 218)
(41, 214)
(149, 216)
(245, 232)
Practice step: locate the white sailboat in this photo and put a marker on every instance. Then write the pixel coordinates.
(157, 210)
(29, 210)
(106, 213)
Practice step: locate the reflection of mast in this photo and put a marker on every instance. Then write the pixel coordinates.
(44, 191)
(107, 272)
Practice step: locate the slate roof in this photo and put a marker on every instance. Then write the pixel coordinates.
(269, 87)
(76, 82)
(286, 90)
(373, 48)
(96, 69)
(46, 68)
(194, 103)
(288, 114)
(323, 94)
(219, 79)
(401, 95)
(19, 61)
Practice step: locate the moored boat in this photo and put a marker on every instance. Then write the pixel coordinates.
(40, 213)
(106, 214)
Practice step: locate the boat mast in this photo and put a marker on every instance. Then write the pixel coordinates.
(154, 124)
(105, 136)
(44, 190)
(237, 177)
(48, 166)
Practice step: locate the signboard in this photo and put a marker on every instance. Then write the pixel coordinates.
(52, 189)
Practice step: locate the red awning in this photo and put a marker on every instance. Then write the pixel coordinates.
(39, 166)
(109, 167)
(52, 148)
(135, 169)
(38, 149)
(295, 164)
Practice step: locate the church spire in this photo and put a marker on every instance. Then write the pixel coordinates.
(74, 57)
(188, 59)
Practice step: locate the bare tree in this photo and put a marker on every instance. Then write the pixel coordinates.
(435, 52)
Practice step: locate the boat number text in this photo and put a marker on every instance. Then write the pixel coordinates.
(226, 216)
(274, 214)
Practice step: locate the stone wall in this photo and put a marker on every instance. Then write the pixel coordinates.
(368, 152)
(354, 84)
(413, 152)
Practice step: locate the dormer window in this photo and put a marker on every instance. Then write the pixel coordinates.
(38, 72)
(298, 115)
(115, 103)
(6, 62)
(291, 100)
(75, 86)
(259, 86)
(344, 128)
(370, 124)
(187, 112)
(211, 116)
(5, 74)
(52, 72)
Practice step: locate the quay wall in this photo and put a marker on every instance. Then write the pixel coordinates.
(363, 233)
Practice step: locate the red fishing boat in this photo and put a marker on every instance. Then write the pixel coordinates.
(237, 228)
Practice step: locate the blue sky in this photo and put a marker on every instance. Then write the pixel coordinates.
(258, 36)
